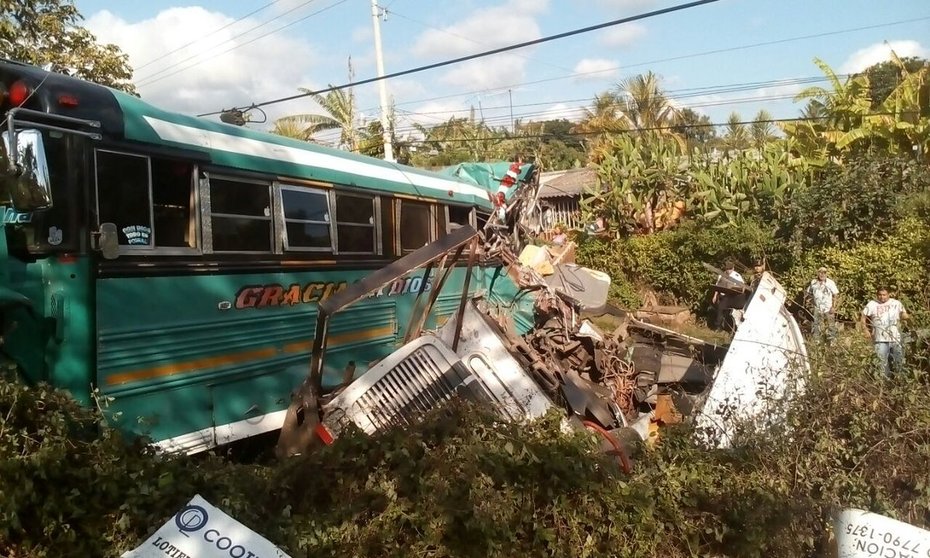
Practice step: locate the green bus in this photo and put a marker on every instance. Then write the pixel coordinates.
(167, 268)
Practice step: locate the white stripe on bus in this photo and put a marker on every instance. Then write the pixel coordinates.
(189, 135)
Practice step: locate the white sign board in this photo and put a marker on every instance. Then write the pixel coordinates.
(860, 534)
(200, 530)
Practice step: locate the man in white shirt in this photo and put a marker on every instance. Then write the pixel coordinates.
(884, 315)
(723, 302)
(823, 293)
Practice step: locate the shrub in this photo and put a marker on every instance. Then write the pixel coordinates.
(464, 484)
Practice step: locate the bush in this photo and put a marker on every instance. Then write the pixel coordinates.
(671, 261)
(859, 200)
(464, 484)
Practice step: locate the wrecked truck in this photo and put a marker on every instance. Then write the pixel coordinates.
(618, 383)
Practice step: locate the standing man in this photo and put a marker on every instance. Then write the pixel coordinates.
(730, 280)
(884, 315)
(823, 292)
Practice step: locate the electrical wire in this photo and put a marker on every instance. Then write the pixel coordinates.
(156, 77)
(503, 88)
(654, 128)
(638, 17)
(214, 32)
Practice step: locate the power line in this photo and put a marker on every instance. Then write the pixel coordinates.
(568, 112)
(653, 128)
(149, 80)
(504, 88)
(214, 32)
(691, 92)
(486, 53)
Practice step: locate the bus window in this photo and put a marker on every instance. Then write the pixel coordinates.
(459, 216)
(415, 222)
(355, 223)
(172, 202)
(306, 219)
(124, 196)
(240, 215)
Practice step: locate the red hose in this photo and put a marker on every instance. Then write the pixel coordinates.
(618, 449)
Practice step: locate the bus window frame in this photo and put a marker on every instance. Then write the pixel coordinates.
(376, 249)
(127, 249)
(472, 216)
(207, 213)
(194, 218)
(282, 239)
(433, 222)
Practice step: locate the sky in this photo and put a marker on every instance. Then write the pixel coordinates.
(201, 56)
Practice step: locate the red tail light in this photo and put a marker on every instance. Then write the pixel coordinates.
(19, 92)
(67, 100)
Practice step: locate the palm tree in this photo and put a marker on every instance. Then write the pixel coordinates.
(289, 129)
(645, 107)
(736, 136)
(600, 119)
(762, 130)
(845, 104)
(339, 107)
(643, 103)
(339, 114)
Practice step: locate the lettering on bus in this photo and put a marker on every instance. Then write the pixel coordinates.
(274, 294)
(12, 217)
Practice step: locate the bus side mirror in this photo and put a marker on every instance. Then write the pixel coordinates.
(108, 241)
(25, 170)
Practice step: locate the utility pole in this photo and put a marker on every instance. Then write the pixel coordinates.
(510, 94)
(382, 87)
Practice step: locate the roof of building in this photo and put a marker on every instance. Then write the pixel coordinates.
(572, 182)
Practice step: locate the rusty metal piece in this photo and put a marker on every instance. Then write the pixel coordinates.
(665, 411)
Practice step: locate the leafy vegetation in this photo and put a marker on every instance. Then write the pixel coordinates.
(463, 484)
(46, 32)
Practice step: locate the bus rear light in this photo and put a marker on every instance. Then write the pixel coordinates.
(67, 100)
(19, 92)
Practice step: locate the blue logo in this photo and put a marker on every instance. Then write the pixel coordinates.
(9, 216)
(190, 519)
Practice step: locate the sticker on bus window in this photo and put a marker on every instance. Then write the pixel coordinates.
(137, 234)
(54, 236)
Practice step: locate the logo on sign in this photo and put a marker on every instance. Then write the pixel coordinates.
(191, 518)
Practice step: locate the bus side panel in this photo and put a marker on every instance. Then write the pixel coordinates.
(185, 353)
(51, 338)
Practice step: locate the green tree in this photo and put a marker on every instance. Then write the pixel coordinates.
(762, 130)
(885, 76)
(644, 105)
(561, 130)
(46, 33)
(598, 122)
(696, 128)
(289, 129)
(340, 114)
(736, 136)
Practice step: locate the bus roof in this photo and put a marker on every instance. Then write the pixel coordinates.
(251, 150)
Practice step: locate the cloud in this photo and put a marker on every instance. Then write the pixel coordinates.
(363, 34)
(485, 29)
(879, 52)
(505, 24)
(596, 69)
(622, 35)
(740, 101)
(623, 6)
(495, 72)
(193, 69)
(559, 111)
